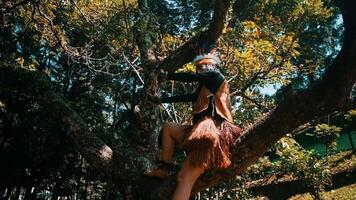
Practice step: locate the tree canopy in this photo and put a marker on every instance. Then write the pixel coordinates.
(75, 77)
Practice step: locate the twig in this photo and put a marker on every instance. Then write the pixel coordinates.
(81, 12)
(133, 67)
(169, 114)
(17, 4)
(174, 111)
(232, 78)
(50, 24)
(260, 106)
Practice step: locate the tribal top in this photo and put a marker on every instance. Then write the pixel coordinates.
(211, 98)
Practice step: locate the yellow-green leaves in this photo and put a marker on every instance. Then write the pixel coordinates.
(351, 115)
(261, 51)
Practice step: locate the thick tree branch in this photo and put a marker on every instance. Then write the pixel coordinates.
(298, 108)
(239, 9)
(295, 109)
(143, 34)
(284, 187)
(122, 165)
(91, 147)
(185, 53)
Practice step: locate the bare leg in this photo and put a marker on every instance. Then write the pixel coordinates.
(187, 176)
(171, 134)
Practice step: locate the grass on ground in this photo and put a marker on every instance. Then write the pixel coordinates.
(338, 162)
(344, 193)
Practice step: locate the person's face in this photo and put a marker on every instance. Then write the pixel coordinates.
(205, 65)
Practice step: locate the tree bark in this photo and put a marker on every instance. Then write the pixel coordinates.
(284, 189)
(295, 109)
(91, 147)
(185, 53)
(126, 164)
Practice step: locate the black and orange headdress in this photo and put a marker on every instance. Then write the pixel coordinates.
(207, 54)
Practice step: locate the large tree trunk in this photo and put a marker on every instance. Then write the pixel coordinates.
(125, 165)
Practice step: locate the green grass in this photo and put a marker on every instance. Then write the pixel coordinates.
(344, 193)
(343, 144)
(338, 162)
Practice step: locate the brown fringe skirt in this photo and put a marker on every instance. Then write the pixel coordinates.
(208, 142)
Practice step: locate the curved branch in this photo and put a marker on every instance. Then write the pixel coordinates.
(185, 53)
(91, 147)
(295, 109)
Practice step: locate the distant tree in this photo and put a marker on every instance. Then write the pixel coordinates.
(303, 165)
(327, 134)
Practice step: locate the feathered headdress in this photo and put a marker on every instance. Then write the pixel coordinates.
(207, 51)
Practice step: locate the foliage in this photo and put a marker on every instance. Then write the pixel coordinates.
(262, 168)
(88, 51)
(343, 161)
(231, 189)
(302, 164)
(327, 134)
(271, 46)
(343, 193)
(351, 116)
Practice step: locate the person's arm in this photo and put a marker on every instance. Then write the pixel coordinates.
(203, 77)
(211, 79)
(180, 98)
(183, 77)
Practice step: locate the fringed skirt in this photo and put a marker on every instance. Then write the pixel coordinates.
(208, 142)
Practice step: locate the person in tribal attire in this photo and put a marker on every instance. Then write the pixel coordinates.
(209, 139)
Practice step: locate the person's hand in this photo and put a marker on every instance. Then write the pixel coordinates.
(154, 99)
